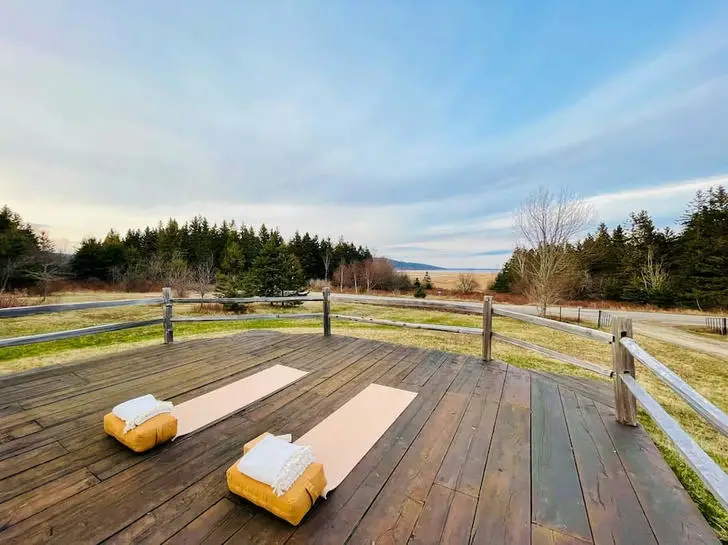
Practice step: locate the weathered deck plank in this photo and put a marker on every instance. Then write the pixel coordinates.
(454, 468)
(557, 498)
(673, 517)
(614, 510)
(503, 513)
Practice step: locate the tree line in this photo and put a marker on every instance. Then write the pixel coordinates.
(635, 262)
(239, 259)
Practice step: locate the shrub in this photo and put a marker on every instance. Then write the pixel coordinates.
(427, 281)
(232, 285)
(467, 283)
(401, 282)
(10, 299)
(420, 292)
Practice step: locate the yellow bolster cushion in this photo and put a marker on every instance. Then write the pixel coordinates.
(155, 431)
(291, 506)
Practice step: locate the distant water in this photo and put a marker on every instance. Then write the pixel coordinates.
(437, 271)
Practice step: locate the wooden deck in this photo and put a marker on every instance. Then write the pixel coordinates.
(484, 454)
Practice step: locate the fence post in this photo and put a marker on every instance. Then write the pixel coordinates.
(623, 363)
(599, 319)
(724, 329)
(560, 318)
(487, 326)
(167, 316)
(327, 311)
(578, 315)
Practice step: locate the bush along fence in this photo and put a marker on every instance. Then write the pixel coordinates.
(625, 351)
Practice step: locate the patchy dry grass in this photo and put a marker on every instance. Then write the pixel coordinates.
(703, 332)
(705, 373)
(36, 355)
(448, 280)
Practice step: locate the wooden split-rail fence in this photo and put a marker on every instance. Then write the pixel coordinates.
(625, 350)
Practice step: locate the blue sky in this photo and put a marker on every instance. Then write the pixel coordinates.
(413, 127)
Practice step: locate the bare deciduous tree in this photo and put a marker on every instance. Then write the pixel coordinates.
(178, 275)
(547, 223)
(155, 268)
(377, 272)
(342, 271)
(327, 262)
(8, 267)
(373, 273)
(47, 266)
(654, 275)
(203, 276)
(355, 273)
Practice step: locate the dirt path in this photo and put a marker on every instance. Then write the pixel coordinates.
(683, 339)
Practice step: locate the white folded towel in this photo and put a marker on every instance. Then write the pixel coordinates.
(140, 409)
(276, 462)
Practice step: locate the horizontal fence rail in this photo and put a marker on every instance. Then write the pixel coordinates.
(717, 418)
(473, 308)
(244, 317)
(60, 335)
(553, 354)
(17, 312)
(410, 325)
(402, 302)
(244, 300)
(592, 334)
(709, 472)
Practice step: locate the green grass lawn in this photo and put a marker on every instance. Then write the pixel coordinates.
(705, 373)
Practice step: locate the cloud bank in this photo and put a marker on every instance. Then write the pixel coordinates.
(347, 121)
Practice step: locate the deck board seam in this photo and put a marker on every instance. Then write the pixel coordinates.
(221, 467)
(576, 467)
(464, 359)
(384, 484)
(490, 449)
(178, 393)
(197, 358)
(530, 454)
(627, 473)
(561, 532)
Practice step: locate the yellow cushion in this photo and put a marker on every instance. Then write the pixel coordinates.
(291, 506)
(155, 431)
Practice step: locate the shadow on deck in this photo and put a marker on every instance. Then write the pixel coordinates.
(484, 454)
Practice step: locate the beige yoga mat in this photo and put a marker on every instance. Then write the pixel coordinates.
(344, 437)
(216, 405)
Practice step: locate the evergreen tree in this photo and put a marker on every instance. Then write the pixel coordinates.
(703, 250)
(89, 260)
(505, 277)
(276, 270)
(232, 260)
(18, 243)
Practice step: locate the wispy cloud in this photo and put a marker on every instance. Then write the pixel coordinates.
(387, 138)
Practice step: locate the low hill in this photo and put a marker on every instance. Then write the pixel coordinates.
(412, 266)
